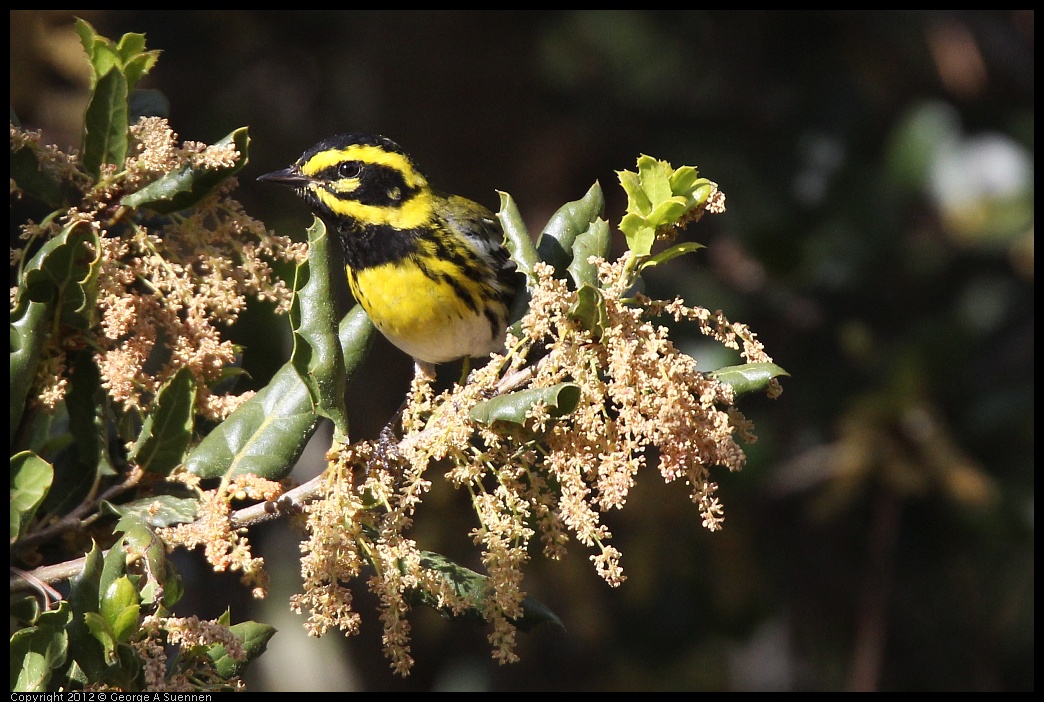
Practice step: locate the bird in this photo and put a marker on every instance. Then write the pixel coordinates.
(429, 268)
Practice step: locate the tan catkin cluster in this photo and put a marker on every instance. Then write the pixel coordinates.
(226, 547)
(166, 288)
(191, 637)
(551, 480)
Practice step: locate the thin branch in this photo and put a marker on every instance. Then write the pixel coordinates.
(292, 502)
(73, 520)
(47, 592)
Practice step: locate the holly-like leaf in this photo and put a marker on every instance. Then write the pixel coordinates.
(85, 585)
(516, 236)
(317, 353)
(640, 234)
(167, 429)
(128, 56)
(268, 432)
(748, 377)
(101, 631)
(158, 510)
(120, 604)
(670, 253)
(29, 326)
(31, 478)
(474, 588)
(33, 178)
(658, 197)
(255, 637)
(655, 176)
(189, 184)
(264, 436)
(560, 399)
(592, 242)
(590, 310)
(64, 272)
(101, 52)
(637, 201)
(105, 123)
(555, 245)
(38, 650)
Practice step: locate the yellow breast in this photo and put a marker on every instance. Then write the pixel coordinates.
(423, 314)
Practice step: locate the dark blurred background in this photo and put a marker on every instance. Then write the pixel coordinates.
(879, 239)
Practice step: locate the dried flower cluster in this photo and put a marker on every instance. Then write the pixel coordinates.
(641, 400)
(61, 166)
(226, 547)
(355, 526)
(194, 670)
(163, 291)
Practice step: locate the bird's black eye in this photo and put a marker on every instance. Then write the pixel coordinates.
(349, 169)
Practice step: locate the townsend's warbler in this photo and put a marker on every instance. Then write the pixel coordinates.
(429, 269)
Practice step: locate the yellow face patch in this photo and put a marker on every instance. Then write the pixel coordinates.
(344, 185)
(412, 214)
(365, 154)
(335, 192)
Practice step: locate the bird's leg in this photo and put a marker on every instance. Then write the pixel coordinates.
(392, 431)
(423, 370)
(464, 370)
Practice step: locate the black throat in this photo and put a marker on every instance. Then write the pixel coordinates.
(372, 245)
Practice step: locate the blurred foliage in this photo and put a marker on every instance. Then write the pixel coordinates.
(879, 237)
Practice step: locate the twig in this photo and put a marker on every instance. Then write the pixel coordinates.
(72, 521)
(292, 502)
(289, 503)
(46, 591)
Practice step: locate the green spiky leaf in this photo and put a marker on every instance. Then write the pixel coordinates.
(167, 430)
(560, 399)
(189, 184)
(555, 244)
(474, 588)
(31, 478)
(254, 637)
(748, 377)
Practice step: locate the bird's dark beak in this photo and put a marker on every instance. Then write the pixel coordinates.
(288, 176)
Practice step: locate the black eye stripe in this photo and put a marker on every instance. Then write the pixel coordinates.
(361, 169)
(378, 184)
